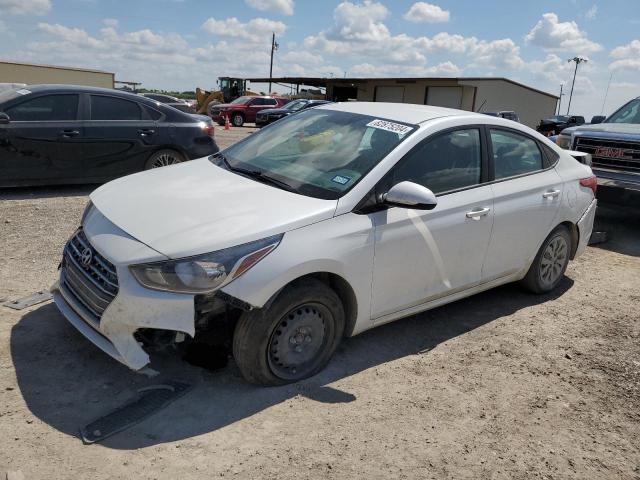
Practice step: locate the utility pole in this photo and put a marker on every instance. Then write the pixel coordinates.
(578, 61)
(274, 47)
(560, 99)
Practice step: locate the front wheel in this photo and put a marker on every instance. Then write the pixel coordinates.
(550, 263)
(291, 339)
(237, 119)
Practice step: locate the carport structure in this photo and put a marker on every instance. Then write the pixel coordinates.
(477, 94)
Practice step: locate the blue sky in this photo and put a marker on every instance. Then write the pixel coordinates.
(181, 44)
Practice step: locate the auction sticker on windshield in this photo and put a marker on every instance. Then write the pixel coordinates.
(390, 126)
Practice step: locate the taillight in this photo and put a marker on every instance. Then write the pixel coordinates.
(590, 182)
(208, 129)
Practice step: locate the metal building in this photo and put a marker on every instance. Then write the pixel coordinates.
(31, 74)
(477, 94)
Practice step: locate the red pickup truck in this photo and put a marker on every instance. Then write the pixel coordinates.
(244, 109)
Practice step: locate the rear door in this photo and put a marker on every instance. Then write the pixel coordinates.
(42, 141)
(527, 193)
(120, 135)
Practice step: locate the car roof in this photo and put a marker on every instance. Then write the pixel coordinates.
(401, 112)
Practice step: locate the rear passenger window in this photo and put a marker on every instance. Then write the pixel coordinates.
(514, 154)
(448, 162)
(152, 112)
(45, 109)
(112, 108)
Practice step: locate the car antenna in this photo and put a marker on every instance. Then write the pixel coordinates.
(482, 105)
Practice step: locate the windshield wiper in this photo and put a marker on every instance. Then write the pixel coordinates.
(257, 175)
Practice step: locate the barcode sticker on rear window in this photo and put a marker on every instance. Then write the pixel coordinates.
(390, 126)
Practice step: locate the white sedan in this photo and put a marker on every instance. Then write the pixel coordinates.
(321, 226)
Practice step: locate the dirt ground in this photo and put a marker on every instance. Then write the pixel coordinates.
(500, 385)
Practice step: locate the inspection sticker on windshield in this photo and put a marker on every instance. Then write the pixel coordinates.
(341, 180)
(390, 126)
(23, 91)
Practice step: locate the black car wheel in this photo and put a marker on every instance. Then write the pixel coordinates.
(291, 339)
(162, 158)
(237, 119)
(550, 263)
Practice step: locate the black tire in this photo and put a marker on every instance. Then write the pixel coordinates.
(162, 158)
(237, 119)
(550, 263)
(308, 306)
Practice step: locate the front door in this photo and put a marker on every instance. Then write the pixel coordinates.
(423, 255)
(42, 141)
(527, 197)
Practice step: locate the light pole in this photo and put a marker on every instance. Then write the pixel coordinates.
(274, 47)
(578, 61)
(560, 99)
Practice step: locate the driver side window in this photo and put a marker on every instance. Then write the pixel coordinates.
(447, 162)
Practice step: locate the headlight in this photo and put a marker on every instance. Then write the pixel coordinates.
(86, 212)
(204, 273)
(564, 141)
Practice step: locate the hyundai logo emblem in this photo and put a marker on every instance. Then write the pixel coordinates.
(86, 257)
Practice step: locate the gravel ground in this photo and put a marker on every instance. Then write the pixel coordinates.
(500, 385)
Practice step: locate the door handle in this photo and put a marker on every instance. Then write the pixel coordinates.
(551, 194)
(69, 133)
(146, 132)
(477, 213)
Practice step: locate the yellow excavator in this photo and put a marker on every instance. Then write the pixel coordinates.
(229, 89)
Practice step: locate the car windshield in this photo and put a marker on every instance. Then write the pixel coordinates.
(630, 113)
(240, 100)
(295, 105)
(318, 153)
(559, 118)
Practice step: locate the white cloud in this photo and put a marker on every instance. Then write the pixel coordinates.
(592, 12)
(445, 69)
(23, 7)
(422, 12)
(255, 30)
(555, 36)
(285, 7)
(359, 34)
(360, 22)
(627, 56)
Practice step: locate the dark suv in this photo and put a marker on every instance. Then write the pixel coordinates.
(244, 109)
(70, 134)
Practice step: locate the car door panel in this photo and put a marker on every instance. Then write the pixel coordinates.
(526, 205)
(116, 143)
(42, 142)
(422, 255)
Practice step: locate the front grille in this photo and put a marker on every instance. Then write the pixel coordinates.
(88, 276)
(613, 154)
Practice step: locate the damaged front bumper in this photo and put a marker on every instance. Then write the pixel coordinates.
(111, 321)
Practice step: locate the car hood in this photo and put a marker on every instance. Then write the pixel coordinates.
(277, 111)
(197, 207)
(606, 128)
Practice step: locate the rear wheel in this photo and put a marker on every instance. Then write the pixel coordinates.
(237, 119)
(162, 158)
(291, 339)
(550, 263)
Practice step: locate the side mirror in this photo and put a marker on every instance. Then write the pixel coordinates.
(4, 118)
(598, 119)
(410, 195)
